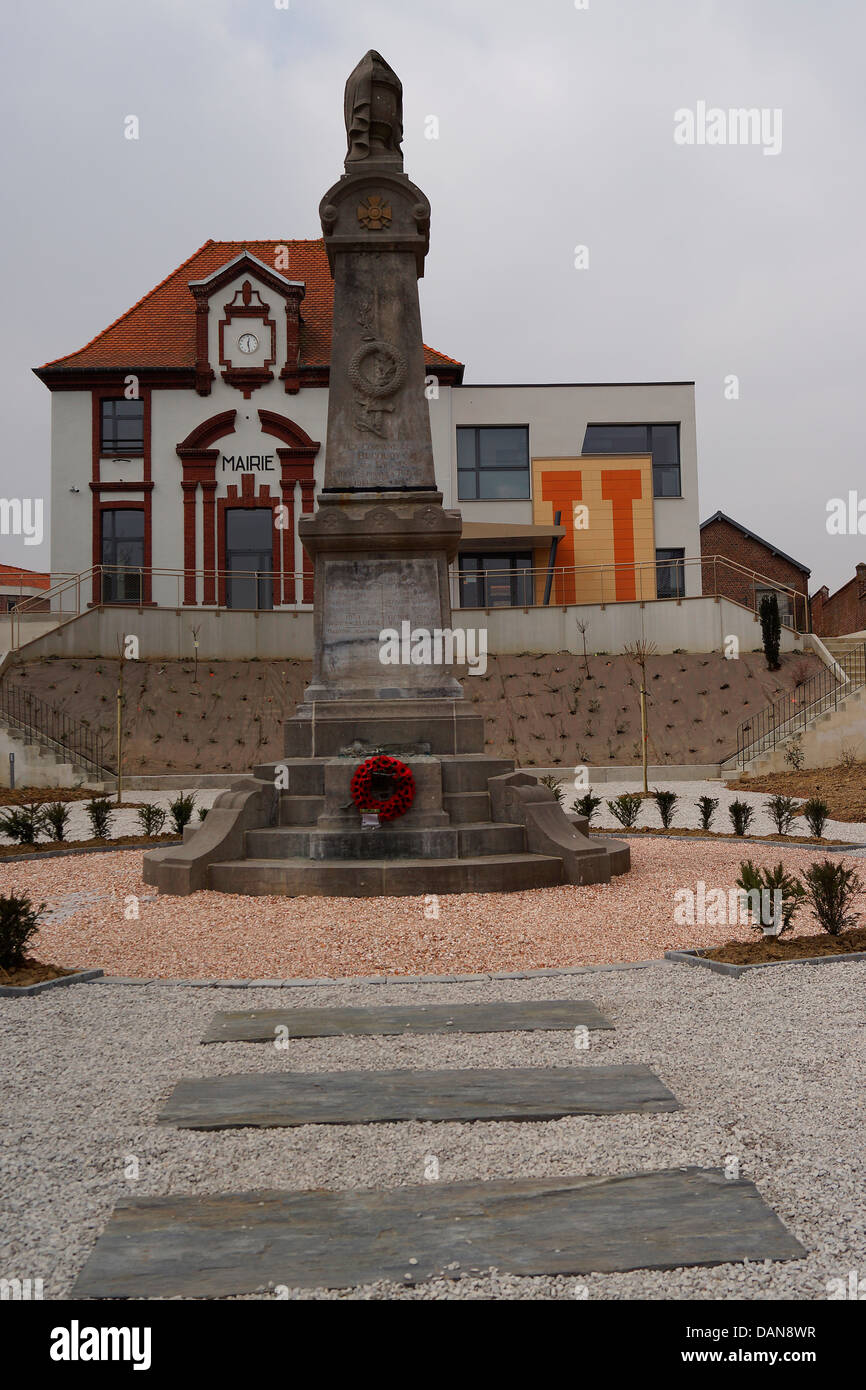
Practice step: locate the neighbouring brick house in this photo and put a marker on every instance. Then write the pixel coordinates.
(763, 568)
(18, 586)
(845, 611)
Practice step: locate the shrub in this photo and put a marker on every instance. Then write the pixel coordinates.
(666, 801)
(626, 808)
(771, 629)
(707, 807)
(783, 811)
(793, 752)
(151, 819)
(832, 888)
(19, 922)
(752, 880)
(554, 785)
(742, 815)
(99, 813)
(181, 810)
(816, 813)
(587, 805)
(202, 814)
(56, 819)
(23, 824)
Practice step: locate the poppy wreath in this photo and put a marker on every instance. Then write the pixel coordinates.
(401, 798)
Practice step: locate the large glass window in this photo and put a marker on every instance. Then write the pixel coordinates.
(496, 581)
(492, 462)
(670, 574)
(662, 441)
(122, 550)
(122, 429)
(249, 557)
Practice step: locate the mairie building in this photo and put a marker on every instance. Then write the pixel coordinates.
(188, 438)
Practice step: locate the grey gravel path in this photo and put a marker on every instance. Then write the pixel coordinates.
(769, 1071)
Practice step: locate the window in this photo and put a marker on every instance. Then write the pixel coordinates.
(122, 549)
(662, 441)
(670, 575)
(492, 462)
(250, 554)
(784, 600)
(496, 581)
(122, 429)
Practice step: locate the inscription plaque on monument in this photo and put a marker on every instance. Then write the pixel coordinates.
(364, 597)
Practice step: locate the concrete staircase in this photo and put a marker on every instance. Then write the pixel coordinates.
(849, 652)
(827, 715)
(35, 765)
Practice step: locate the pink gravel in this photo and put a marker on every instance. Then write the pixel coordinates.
(222, 936)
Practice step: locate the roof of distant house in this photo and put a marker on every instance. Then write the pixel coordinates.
(159, 330)
(26, 579)
(768, 545)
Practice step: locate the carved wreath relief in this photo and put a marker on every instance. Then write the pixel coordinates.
(377, 370)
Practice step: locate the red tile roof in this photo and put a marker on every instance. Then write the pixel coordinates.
(27, 579)
(159, 331)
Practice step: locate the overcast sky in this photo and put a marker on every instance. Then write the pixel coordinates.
(556, 130)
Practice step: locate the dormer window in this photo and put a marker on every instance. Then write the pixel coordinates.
(122, 427)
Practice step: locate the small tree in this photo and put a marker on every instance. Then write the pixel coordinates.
(816, 813)
(587, 806)
(23, 824)
(770, 881)
(783, 811)
(151, 819)
(582, 627)
(19, 923)
(99, 813)
(553, 784)
(666, 802)
(640, 652)
(771, 629)
(742, 815)
(181, 810)
(707, 807)
(626, 808)
(56, 819)
(832, 888)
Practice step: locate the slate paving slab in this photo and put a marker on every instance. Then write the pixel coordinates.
(260, 1025)
(278, 1099)
(238, 1243)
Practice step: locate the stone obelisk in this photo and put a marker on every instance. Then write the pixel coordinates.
(381, 541)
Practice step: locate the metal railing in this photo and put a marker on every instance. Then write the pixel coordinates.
(786, 717)
(492, 587)
(55, 730)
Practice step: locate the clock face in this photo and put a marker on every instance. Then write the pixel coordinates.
(248, 342)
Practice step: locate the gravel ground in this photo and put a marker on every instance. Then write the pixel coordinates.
(768, 1069)
(225, 936)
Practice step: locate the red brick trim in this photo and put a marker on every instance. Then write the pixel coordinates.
(208, 432)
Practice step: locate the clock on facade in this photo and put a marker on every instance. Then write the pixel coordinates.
(248, 342)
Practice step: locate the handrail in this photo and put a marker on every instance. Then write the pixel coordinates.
(54, 729)
(782, 718)
(85, 589)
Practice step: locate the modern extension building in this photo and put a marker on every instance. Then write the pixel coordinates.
(188, 437)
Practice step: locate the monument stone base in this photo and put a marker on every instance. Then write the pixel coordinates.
(475, 825)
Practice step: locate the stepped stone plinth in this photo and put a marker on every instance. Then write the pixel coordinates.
(381, 544)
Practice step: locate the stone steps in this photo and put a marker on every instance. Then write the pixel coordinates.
(370, 878)
(225, 1244)
(391, 841)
